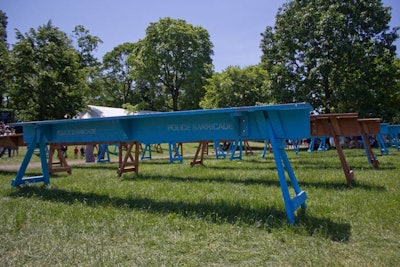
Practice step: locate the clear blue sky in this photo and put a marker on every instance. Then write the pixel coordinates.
(234, 25)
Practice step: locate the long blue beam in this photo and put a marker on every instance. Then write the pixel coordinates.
(273, 122)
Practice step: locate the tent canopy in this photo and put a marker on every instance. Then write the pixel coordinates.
(99, 112)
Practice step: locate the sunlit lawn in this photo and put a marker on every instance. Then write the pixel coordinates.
(224, 213)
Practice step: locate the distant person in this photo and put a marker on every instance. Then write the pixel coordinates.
(76, 151)
(82, 150)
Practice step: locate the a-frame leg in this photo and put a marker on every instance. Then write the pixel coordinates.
(199, 152)
(247, 148)
(124, 164)
(236, 144)
(45, 177)
(147, 149)
(266, 147)
(282, 163)
(218, 150)
(174, 154)
(63, 164)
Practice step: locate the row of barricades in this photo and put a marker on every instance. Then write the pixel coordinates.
(333, 126)
(275, 123)
(391, 132)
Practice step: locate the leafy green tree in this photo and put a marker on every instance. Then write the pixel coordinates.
(236, 87)
(119, 84)
(148, 97)
(174, 56)
(86, 44)
(336, 54)
(396, 119)
(4, 57)
(48, 79)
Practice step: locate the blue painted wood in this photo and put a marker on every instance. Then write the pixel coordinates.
(276, 123)
(104, 154)
(394, 132)
(218, 150)
(147, 149)
(187, 126)
(174, 154)
(236, 146)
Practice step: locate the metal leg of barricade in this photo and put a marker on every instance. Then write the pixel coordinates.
(295, 145)
(266, 147)
(147, 148)
(104, 153)
(173, 148)
(218, 150)
(282, 163)
(382, 144)
(311, 146)
(322, 144)
(237, 144)
(371, 158)
(45, 177)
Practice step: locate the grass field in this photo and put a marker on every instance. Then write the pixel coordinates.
(225, 213)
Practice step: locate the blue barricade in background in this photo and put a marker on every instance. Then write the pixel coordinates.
(394, 133)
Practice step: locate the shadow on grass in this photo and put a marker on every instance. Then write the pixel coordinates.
(271, 180)
(329, 165)
(341, 185)
(267, 180)
(174, 178)
(97, 166)
(8, 172)
(218, 211)
(239, 166)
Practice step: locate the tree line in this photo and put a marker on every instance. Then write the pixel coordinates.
(337, 55)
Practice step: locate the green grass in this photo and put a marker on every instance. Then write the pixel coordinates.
(225, 213)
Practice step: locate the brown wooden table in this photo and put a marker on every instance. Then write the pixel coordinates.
(346, 124)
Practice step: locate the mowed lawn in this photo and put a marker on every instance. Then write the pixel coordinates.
(224, 213)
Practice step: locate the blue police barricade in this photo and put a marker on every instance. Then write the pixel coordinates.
(276, 123)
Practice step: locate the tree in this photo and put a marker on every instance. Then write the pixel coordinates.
(118, 81)
(86, 44)
(4, 57)
(48, 79)
(175, 56)
(236, 87)
(338, 55)
(396, 118)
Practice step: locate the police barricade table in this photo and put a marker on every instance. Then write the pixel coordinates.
(276, 123)
(346, 124)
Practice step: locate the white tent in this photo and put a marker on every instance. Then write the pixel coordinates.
(99, 112)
